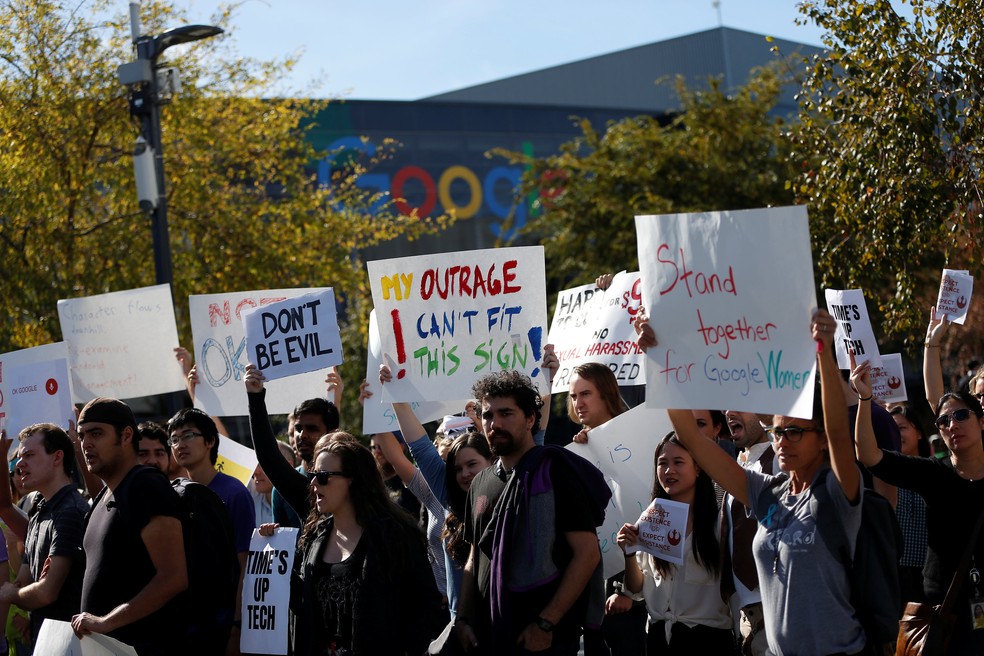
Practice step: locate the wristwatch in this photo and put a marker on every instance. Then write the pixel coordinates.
(544, 625)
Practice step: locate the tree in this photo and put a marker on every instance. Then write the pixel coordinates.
(244, 209)
(720, 152)
(891, 119)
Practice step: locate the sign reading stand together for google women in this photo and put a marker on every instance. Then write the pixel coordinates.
(730, 296)
(122, 344)
(447, 320)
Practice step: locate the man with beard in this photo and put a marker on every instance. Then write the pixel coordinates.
(134, 549)
(152, 447)
(313, 419)
(531, 520)
(740, 589)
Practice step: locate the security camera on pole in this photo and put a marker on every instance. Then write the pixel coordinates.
(150, 87)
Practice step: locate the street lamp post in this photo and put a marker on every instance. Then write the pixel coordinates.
(144, 78)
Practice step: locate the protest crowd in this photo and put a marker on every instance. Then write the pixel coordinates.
(759, 533)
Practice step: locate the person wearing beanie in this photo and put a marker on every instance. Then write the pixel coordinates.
(135, 561)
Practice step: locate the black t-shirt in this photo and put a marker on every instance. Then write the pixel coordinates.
(56, 530)
(571, 508)
(118, 565)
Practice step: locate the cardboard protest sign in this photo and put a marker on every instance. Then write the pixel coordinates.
(122, 344)
(591, 325)
(45, 353)
(854, 334)
(730, 296)
(266, 592)
(888, 380)
(663, 530)
(235, 459)
(377, 415)
(294, 336)
(956, 288)
(447, 320)
(623, 450)
(221, 355)
(39, 392)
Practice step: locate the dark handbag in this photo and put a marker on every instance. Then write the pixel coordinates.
(925, 629)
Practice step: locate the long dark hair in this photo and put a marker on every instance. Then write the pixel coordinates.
(908, 412)
(705, 545)
(453, 526)
(370, 500)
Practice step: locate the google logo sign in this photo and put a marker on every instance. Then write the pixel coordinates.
(494, 192)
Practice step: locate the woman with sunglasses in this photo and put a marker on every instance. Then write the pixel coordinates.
(366, 586)
(805, 587)
(953, 489)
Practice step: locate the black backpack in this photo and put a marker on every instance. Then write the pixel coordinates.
(212, 563)
(210, 553)
(872, 569)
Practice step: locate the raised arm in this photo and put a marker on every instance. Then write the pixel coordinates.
(932, 367)
(864, 434)
(721, 467)
(835, 415)
(290, 483)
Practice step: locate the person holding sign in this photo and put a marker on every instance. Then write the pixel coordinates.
(594, 399)
(366, 586)
(805, 587)
(953, 489)
(686, 612)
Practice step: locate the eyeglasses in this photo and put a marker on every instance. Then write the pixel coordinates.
(184, 437)
(323, 476)
(961, 415)
(792, 434)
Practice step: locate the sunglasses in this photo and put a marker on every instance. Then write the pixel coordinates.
(323, 476)
(961, 415)
(792, 434)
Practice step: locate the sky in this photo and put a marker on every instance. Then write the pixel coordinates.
(388, 50)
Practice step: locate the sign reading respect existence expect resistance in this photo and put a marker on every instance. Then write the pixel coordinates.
(730, 296)
(448, 319)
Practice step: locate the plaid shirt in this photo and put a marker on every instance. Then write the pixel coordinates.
(911, 513)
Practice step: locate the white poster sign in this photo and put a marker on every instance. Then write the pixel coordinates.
(122, 344)
(377, 415)
(591, 325)
(221, 355)
(266, 592)
(888, 380)
(662, 530)
(57, 638)
(854, 334)
(45, 353)
(623, 450)
(730, 296)
(446, 320)
(39, 392)
(956, 288)
(294, 336)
